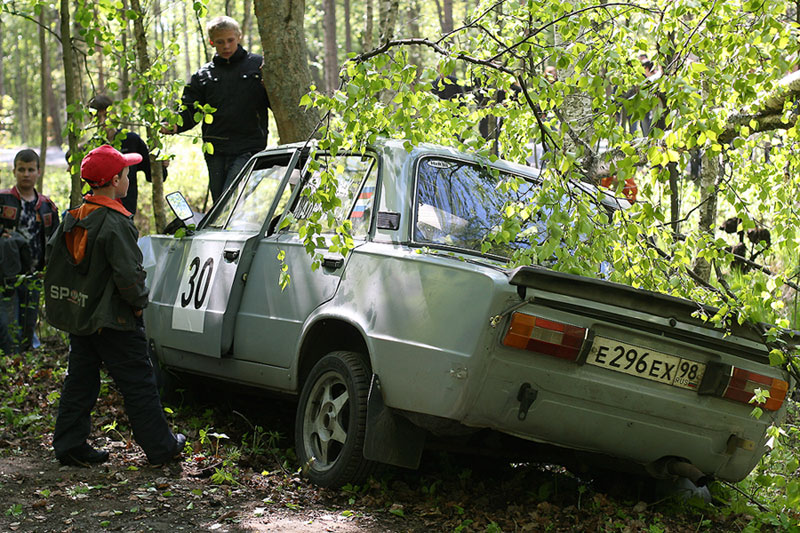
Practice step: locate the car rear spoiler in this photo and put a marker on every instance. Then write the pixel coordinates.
(549, 283)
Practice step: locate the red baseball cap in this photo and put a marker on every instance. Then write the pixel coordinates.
(105, 162)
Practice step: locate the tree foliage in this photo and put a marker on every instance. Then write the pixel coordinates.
(719, 62)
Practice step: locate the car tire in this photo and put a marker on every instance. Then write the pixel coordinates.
(331, 421)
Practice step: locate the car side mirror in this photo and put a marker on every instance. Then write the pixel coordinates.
(183, 212)
(180, 206)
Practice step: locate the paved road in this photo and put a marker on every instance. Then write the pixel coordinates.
(55, 156)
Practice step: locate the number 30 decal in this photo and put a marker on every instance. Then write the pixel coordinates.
(199, 280)
(195, 288)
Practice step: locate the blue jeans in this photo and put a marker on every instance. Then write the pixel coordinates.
(222, 170)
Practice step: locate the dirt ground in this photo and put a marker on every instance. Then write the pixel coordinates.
(125, 495)
(228, 481)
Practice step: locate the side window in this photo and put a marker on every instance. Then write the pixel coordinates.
(356, 178)
(247, 207)
(361, 214)
(256, 199)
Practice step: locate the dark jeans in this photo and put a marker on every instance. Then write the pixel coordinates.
(19, 312)
(124, 354)
(222, 170)
(27, 312)
(8, 306)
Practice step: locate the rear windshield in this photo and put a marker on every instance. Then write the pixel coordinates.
(460, 205)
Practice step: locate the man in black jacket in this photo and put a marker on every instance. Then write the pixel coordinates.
(127, 142)
(231, 83)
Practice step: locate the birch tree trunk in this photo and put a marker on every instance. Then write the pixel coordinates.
(577, 107)
(710, 170)
(156, 168)
(286, 74)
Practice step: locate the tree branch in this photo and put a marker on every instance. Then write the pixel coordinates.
(35, 21)
(769, 116)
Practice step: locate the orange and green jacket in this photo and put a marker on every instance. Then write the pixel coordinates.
(94, 277)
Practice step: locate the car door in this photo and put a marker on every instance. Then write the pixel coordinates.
(212, 265)
(272, 315)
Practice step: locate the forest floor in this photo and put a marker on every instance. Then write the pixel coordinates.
(240, 477)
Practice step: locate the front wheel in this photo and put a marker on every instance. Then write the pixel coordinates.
(332, 419)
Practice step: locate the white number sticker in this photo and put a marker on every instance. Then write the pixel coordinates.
(194, 292)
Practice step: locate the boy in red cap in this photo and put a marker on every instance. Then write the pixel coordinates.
(94, 289)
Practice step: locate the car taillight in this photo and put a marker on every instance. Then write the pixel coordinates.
(742, 385)
(528, 332)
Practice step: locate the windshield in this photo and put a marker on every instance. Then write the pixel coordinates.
(461, 205)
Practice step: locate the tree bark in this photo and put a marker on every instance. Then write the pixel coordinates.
(368, 16)
(44, 78)
(156, 168)
(388, 19)
(348, 29)
(576, 109)
(124, 74)
(769, 114)
(2, 67)
(447, 16)
(414, 53)
(72, 102)
(247, 22)
(331, 59)
(710, 170)
(187, 65)
(21, 96)
(286, 74)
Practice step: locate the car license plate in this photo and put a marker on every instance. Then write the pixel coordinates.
(646, 363)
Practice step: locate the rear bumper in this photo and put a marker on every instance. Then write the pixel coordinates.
(596, 410)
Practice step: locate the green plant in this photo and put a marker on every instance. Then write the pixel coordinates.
(212, 439)
(226, 474)
(112, 427)
(15, 510)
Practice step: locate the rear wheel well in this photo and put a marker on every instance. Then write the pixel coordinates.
(324, 337)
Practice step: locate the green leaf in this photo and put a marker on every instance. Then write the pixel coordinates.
(697, 67)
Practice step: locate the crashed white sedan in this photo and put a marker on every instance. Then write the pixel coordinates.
(416, 332)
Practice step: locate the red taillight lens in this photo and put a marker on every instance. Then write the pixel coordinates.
(742, 385)
(528, 332)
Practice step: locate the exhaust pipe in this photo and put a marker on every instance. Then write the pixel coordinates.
(668, 467)
(689, 471)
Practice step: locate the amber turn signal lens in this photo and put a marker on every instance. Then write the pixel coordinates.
(528, 332)
(742, 386)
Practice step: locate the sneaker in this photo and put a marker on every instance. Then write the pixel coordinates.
(83, 455)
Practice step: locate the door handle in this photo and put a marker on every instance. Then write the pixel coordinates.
(230, 255)
(332, 262)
